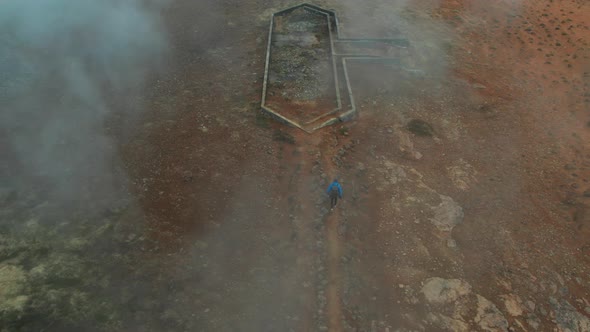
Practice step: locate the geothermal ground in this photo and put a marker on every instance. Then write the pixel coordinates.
(466, 186)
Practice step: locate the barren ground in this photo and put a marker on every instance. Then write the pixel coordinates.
(479, 223)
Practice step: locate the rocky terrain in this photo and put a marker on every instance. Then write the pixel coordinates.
(466, 184)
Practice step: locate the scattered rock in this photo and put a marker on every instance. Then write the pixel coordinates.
(530, 305)
(568, 318)
(448, 323)
(488, 317)
(393, 173)
(187, 176)
(447, 214)
(440, 291)
(462, 174)
(406, 146)
(543, 311)
(513, 304)
(534, 322)
(519, 324)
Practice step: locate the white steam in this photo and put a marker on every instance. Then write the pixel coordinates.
(63, 65)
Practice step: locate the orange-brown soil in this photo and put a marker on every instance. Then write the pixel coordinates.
(492, 205)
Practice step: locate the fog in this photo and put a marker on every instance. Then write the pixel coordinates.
(65, 67)
(158, 101)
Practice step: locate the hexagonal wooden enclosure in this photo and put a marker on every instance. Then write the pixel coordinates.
(306, 83)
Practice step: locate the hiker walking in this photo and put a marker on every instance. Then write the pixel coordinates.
(335, 191)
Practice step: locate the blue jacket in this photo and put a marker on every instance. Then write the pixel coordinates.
(336, 185)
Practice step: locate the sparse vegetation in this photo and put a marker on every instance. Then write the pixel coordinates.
(420, 128)
(262, 120)
(282, 136)
(343, 130)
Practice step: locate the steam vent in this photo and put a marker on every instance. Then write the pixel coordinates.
(306, 81)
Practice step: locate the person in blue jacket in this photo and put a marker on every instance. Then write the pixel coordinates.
(335, 191)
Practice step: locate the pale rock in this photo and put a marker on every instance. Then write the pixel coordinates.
(447, 214)
(406, 146)
(462, 174)
(441, 291)
(513, 304)
(530, 305)
(448, 323)
(534, 322)
(488, 317)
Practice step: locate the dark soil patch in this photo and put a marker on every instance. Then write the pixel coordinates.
(420, 128)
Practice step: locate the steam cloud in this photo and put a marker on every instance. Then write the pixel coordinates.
(63, 64)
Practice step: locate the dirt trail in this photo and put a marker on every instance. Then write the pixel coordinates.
(301, 218)
(334, 251)
(334, 309)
